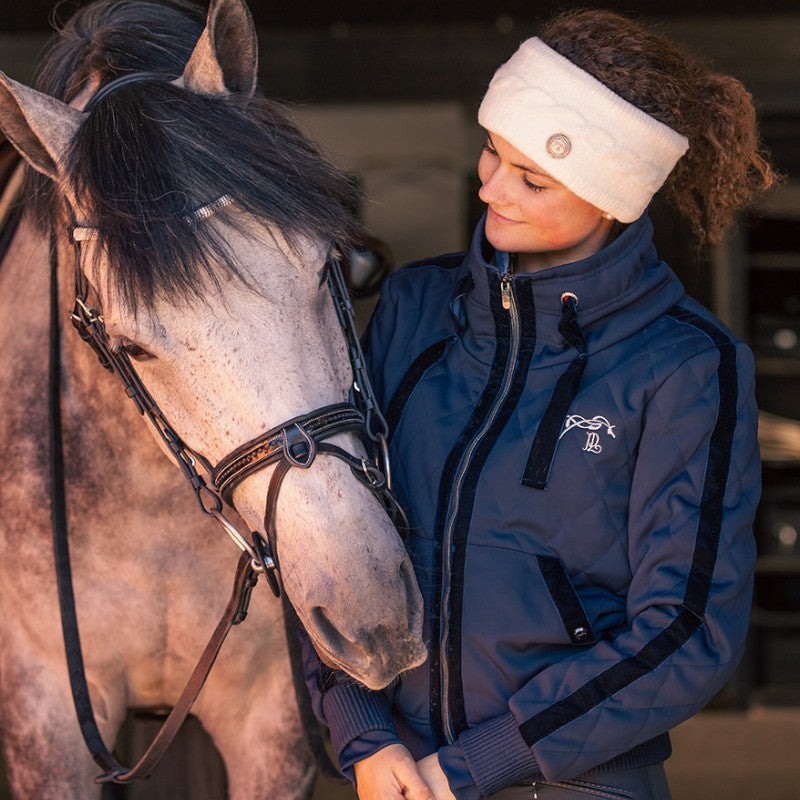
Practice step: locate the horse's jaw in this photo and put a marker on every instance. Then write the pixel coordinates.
(344, 569)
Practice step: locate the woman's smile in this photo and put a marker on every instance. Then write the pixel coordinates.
(501, 218)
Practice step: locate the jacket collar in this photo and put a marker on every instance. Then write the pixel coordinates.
(620, 289)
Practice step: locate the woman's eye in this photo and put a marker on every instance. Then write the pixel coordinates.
(532, 186)
(131, 349)
(489, 149)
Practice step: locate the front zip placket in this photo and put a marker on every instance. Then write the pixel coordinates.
(509, 304)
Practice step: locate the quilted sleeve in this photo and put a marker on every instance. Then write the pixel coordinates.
(359, 719)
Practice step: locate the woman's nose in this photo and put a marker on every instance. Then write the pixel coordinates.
(487, 192)
(493, 187)
(490, 191)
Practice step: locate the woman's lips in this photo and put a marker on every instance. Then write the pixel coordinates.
(500, 218)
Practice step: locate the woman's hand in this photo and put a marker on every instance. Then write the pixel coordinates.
(432, 773)
(391, 774)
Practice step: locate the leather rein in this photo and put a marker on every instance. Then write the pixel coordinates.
(294, 444)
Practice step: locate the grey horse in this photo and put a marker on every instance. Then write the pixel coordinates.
(225, 319)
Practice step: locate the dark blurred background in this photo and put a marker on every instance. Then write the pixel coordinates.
(33, 15)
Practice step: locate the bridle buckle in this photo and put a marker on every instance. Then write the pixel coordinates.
(266, 562)
(299, 448)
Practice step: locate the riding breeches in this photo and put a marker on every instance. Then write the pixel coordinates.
(640, 783)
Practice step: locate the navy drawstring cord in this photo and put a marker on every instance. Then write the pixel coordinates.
(540, 458)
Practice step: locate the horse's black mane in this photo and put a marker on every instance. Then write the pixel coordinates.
(149, 153)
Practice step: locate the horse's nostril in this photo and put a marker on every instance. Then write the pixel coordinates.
(327, 631)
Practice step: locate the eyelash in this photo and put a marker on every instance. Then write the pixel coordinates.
(134, 351)
(534, 187)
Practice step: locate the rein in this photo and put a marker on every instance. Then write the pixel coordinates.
(235, 611)
(293, 444)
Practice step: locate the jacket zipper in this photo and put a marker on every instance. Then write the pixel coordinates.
(509, 303)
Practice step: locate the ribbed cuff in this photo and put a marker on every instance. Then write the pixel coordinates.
(454, 766)
(351, 710)
(497, 755)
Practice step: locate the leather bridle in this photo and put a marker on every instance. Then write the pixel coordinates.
(295, 443)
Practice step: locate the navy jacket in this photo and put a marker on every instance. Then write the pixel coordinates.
(576, 450)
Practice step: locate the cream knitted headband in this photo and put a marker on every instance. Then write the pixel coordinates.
(598, 145)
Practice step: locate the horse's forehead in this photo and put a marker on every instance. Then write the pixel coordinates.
(273, 273)
(269, 250)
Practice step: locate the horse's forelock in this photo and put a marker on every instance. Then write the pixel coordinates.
(108, 38)
(151, 153)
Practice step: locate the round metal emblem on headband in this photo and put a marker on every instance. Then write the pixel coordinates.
(558, 145)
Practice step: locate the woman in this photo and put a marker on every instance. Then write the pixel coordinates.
(573, 437)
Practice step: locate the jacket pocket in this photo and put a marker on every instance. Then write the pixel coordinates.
(566, 600)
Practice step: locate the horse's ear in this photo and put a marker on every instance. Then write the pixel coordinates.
(38, 125)
(225, 58)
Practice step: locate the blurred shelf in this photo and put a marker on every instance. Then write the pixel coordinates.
(778, 565)
(778, 366)
(770, 287)
(780, 261)
(787, 620)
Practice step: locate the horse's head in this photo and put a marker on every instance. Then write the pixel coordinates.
(206, 220)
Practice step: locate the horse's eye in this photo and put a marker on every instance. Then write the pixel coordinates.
(131, 349)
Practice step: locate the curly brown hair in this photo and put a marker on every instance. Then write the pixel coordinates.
(726, 166)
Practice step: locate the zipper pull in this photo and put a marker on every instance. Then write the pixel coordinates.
(506, 266)
(505, 291)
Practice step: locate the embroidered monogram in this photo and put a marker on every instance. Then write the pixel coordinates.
(593, 443)
(591, 426)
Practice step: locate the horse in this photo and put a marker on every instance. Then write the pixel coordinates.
(199, 222)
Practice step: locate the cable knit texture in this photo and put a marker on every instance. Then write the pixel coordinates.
(598, 145)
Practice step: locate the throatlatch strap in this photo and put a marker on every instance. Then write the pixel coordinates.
(543, 449)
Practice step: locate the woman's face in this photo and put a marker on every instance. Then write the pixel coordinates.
(532, 214)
